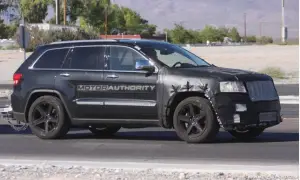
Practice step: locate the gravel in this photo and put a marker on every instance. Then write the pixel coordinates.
(50, 172)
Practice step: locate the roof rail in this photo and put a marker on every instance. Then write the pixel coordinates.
(83, 41)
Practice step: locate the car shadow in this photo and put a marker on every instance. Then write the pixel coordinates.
(222, 137)
(163, 135)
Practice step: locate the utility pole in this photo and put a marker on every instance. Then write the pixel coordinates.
(283, 34)
(65, 11)
(166, 36)
(57, 12)
(106, 14)
(245, 27)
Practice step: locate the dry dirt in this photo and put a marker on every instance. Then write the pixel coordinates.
(252, 57)
(242, 57)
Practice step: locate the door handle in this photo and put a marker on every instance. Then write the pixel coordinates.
(113, 76)
(65, 74)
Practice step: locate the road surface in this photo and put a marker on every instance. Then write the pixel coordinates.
(277, 145)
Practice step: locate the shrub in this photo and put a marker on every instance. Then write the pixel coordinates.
(42, 37)
(265, 40)
(274, 72)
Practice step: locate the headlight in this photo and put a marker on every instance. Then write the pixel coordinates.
(232, 86)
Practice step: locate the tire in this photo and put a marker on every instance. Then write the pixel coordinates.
(250, 134)
(59, 122)
(210, 129)
(105, 131)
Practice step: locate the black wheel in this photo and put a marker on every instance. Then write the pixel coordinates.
(194, 120)
(105, 131)
(47, 119)
(248, 134)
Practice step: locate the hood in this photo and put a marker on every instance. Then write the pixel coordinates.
(226, 74)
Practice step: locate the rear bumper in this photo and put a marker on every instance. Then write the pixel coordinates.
(19, 116)
(238, 111)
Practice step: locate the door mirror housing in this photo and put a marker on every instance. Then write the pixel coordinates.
(143, 64)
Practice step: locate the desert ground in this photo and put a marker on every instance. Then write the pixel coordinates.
(253, 58)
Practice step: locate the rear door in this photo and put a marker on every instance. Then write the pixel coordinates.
(131, 94)
(80, 81)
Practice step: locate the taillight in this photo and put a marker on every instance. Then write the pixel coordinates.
(17, 78)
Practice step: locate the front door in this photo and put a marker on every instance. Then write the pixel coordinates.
(80, 79)
(131, 94)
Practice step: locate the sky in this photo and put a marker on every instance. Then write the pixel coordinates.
(263, 17)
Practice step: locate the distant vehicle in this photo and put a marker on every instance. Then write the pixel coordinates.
(104, 85)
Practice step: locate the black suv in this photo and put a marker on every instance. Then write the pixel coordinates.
(103, 85)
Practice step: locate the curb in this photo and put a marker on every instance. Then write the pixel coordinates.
(169, 166)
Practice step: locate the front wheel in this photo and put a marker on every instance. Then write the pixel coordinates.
(194, 120)
(248, 134)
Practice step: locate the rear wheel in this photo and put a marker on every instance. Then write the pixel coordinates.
(248, 134)
(105, 131)
(194, 120)
(47, 119)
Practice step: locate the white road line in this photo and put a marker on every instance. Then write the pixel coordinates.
(289, 99)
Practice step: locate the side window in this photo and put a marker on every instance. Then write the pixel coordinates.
(85, 58)
(52, 58)
(122, 58)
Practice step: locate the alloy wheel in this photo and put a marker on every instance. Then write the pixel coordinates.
(192, 119)
(45, 118)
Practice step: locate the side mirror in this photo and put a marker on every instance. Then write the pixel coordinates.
(143, 64)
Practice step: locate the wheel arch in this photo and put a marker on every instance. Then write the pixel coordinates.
(42, 92)
(176, 99)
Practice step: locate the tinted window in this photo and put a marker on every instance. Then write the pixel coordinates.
(52, 59)
(122, 58)
(85, 58)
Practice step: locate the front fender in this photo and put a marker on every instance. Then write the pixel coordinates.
(178, 85)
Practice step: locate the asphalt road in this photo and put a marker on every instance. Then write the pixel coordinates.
(283, 89)
(277, 145)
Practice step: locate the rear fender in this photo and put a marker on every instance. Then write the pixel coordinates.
(46, 91)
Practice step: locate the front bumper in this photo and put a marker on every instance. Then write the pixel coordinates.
(261, 114)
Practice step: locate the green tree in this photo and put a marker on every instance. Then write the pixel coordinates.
(34, 11)
(211, 34)
(119, 19)
(3, 30)
(73, 11)
(234, 35)
(251, 39)
(178, 35)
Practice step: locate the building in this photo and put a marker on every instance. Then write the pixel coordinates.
(120, 36)
(47, 26)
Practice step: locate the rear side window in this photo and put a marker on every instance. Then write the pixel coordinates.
(89, 58)
(52, 58)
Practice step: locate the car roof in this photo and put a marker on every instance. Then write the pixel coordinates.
(92, 42)
(105, 41)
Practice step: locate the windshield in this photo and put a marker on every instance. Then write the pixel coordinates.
(172, 55)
